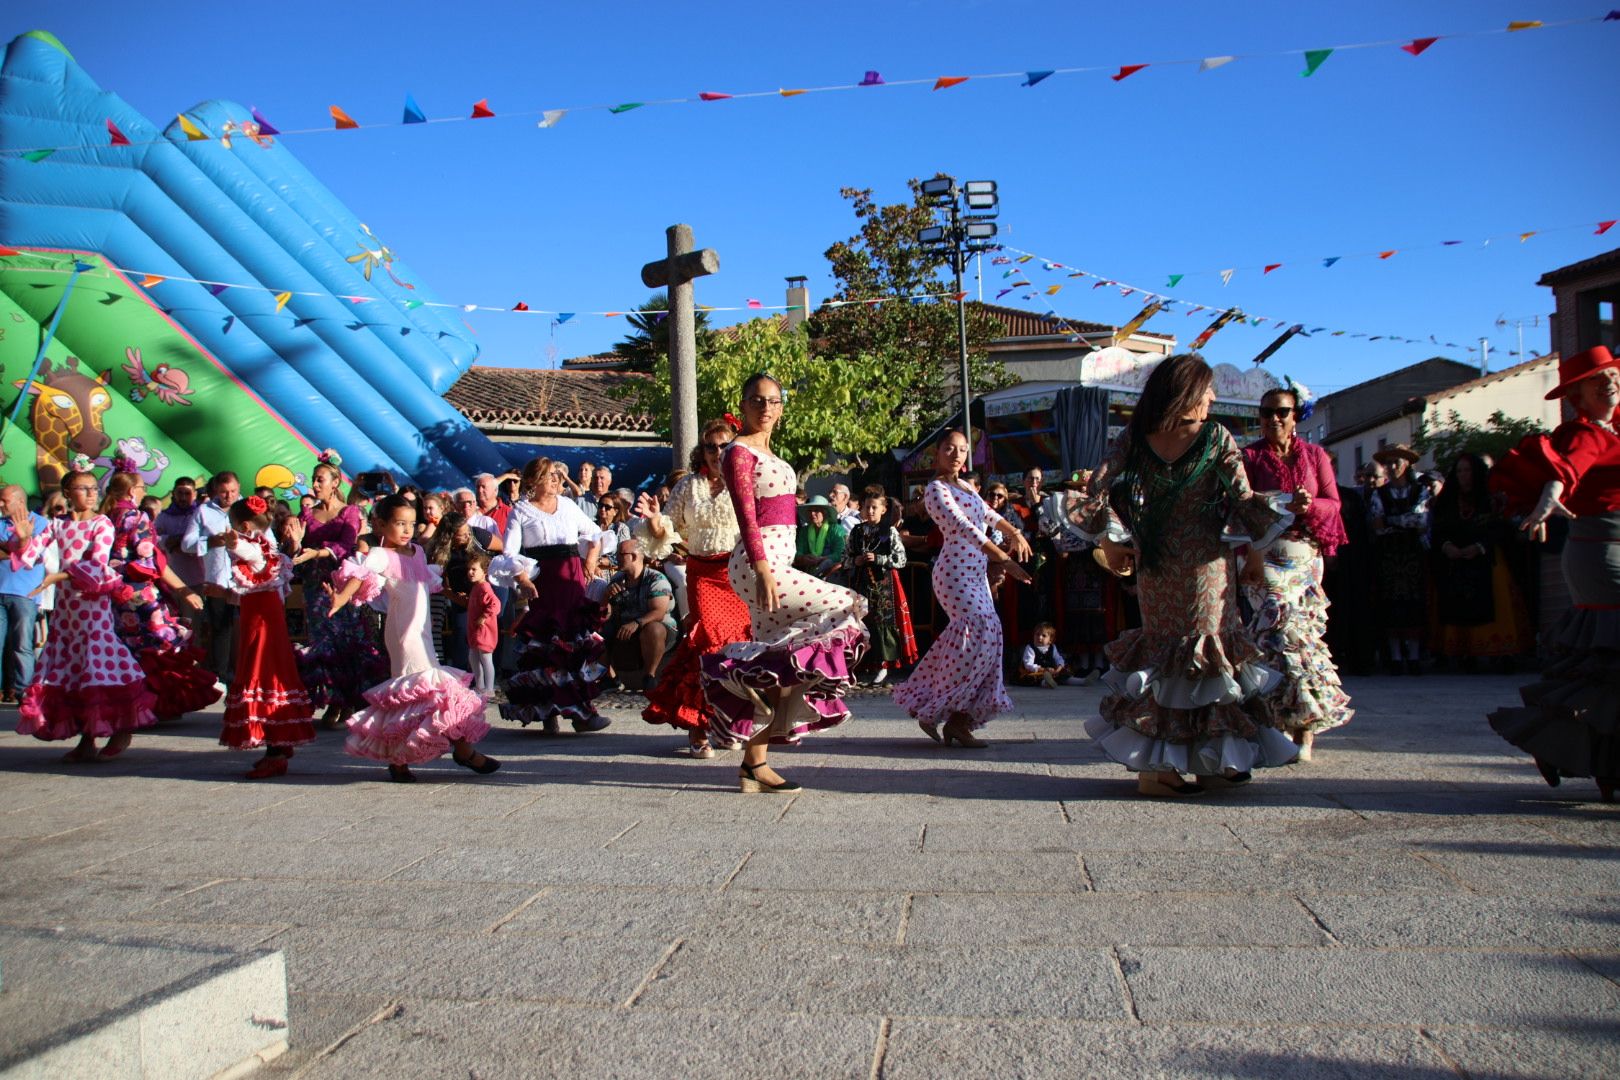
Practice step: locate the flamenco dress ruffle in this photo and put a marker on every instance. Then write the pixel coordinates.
(179, 680)
(413, 719)
(562, 648)
(268, 704)
(720, 619)
(1289, 624)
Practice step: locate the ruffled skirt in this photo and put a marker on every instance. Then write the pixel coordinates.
(720, 618)
(414, 718)
(562, 651)
(1570, 720)
(177, 677)
(267, 705)
(88, 684)
(1289, 624)
(344, 654)
(962, 670)
(812, 641)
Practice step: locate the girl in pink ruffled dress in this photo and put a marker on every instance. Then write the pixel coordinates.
(424, 710)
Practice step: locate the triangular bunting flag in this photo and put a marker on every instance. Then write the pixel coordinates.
(411, 305)
(520, 306)
(1175, 279)
(1270, 267)
(217, 289)
(1526, 235)
(626, 107)
(230, 321)
(564, 316)
(281, 300)
(340, 118)
(871, 78)
(945, 82)
(413, 111)
(1226, 276)
(265, 126)
(1330, 260)
(8, 251)
(118, 137)
(1450, 243)
(1025, 258)
(1126, 290)
(754, 303)
(611, 314)
(1417, 45)
(790, 93)
(959, 297)
(710, 96)
(1126, 71)
(1603, 227)
(1524, 24)
(193, 132)
(152, 279)
(1052, 290)
(1386, 254)
(1035, 77)
(481, 110)
(38, 155)
(1002, 293)
(550, 117)
(1314, 58)
(1210, 63)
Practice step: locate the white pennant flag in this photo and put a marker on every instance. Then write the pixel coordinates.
(550, 117)
(469, 307)
(1212, 62)
(1226, 277)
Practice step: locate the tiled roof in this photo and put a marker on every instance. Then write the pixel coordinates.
(602, 361)
(1020, 323)
(1495, 376)
(546, 399)
(1609, 260)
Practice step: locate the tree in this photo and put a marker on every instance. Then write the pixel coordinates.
(649, 338)
(917, 341)
(841, 408)
(1493, 439)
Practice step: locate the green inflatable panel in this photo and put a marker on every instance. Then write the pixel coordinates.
(122, 379)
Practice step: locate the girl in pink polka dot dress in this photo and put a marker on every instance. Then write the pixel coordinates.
(88, 683)
(959, 681)
(808, 635)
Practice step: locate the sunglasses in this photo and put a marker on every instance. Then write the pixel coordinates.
(715, 446)
(1280, 412)
(765, 402)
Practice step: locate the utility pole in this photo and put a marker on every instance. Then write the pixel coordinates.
(965, 235)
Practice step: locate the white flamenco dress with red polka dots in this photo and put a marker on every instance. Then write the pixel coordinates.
(87, 682)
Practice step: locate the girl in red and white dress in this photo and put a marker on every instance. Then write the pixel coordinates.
(268, 706)
(88, 684)
(424, 710)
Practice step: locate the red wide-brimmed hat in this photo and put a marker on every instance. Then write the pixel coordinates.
(1573, 369)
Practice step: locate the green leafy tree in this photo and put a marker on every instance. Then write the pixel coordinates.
(648, 340)
(840, 409)
(1453, 435)
(917, 342)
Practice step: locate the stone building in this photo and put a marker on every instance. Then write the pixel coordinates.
(1586, 295)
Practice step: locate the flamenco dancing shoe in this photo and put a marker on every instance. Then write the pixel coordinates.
(471, 761)
(880, 676)
(960, 732)
(117, 745)
(930, 730)
(1549, 772)
(1146, 785)
(594, 722)
(750, 784)
(80, 754)
(1225, 779)
(702, 751)
(1306, 743)
(401, 774)
(265, 768)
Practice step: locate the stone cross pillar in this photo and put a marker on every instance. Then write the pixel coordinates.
(676, 272)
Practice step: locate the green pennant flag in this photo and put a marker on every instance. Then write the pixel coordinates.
(627, 106)
(38, 155)
(1175, 279)
(412, 304)
(1314, 59)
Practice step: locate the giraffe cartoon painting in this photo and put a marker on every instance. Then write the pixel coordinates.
(66, 417)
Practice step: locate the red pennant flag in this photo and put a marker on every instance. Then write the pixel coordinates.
(118, 137)
(1417, 45)
(1126, 71)
(481, 110)
(961, 296)
(1603, 227)
(520, 306)
(341, 118)
(708, 96)
(945, 82)
(1270, 268)
(9, 251)
(1386, 254)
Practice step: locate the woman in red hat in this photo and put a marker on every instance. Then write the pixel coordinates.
(1570, 720)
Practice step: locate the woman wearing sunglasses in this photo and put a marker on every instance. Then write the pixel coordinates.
(1284, 583)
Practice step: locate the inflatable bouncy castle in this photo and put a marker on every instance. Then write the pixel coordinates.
(192, 299)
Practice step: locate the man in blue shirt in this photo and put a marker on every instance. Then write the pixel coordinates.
(209, 537)
(18, 610)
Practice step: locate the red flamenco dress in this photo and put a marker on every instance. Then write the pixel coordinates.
(268, 705)
(147, 625)
(87, 683)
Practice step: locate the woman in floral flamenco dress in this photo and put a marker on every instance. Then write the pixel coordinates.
(88, 684)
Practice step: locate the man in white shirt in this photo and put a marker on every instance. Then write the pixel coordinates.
(209, 537)
(846, 515)
(171, 525)
(466, 503)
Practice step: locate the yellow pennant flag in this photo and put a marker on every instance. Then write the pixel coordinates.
(1052, 290)
(1526, 24)
(193, 132)
(790, 93)
(281, 300)
(1153, 308)
(1526, 235)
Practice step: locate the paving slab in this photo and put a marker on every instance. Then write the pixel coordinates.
(663, 914)
(1108, 919)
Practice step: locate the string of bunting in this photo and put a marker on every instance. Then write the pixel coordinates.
(261, 129)
(1156, 302)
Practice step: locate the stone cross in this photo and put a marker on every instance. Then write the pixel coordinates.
(676, 271)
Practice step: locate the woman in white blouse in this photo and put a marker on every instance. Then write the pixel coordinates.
(559, 638)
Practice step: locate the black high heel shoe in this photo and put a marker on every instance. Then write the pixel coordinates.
(401, 774)
(489, 765)
(749, 783)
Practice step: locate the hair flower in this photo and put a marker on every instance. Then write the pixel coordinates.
(257, 504)
(736, 425)
(329, 457)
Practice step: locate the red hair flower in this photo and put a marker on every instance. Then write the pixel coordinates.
(736, 425)
(257, 504)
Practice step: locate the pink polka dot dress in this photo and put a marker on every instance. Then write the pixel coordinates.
(87, 682)
(813, 639)
(961, 672)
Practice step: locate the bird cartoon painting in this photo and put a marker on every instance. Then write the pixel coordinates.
(171, 385)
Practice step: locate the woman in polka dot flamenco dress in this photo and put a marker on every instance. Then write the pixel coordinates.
(959, 682)
(88, 684)
(808, 635)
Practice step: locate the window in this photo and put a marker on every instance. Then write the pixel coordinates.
(1595, 321)
(1381, 441)
(1360, 459)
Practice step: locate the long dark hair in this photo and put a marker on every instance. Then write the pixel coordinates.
(1176, 386)
(1451, 497)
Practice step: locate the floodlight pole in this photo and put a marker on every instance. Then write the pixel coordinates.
(958, 256)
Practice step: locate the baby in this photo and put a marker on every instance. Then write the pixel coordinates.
(1043, 663)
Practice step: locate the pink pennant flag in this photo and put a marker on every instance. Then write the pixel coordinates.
(710, 96)
(118, 137)
(1126, 291)
(1269, 268)
(481, 110)
(1126, 71)
(754, 303)
(945, 82)
(1417, 45)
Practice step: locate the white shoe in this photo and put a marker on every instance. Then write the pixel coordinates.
(881, 676)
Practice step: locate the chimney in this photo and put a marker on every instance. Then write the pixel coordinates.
(798, 300)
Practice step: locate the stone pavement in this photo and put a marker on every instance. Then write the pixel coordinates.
(1415, 902)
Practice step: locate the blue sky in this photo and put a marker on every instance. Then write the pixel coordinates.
(1167, 172)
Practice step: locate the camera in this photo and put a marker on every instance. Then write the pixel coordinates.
(373, 484)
